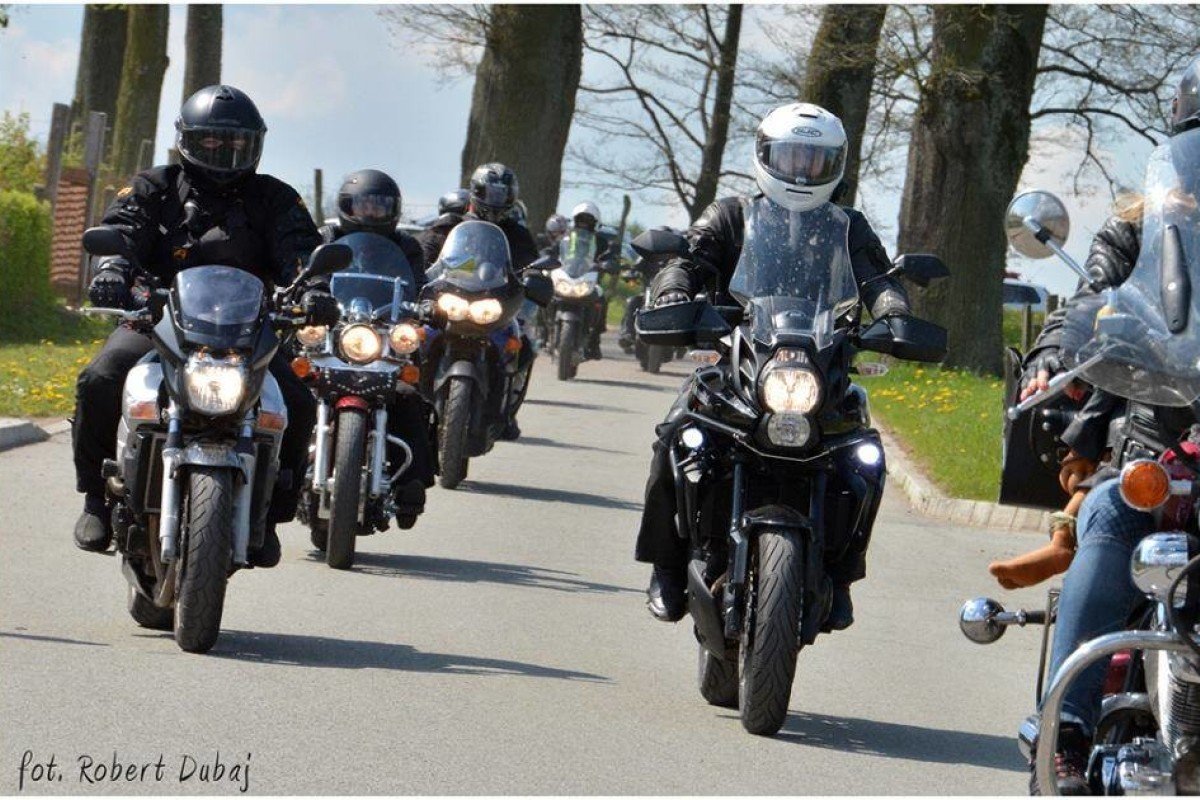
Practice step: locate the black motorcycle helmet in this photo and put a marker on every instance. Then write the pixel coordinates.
(454, 202)
(369, 200)
(1185, 108)
(219, 135)
(493, 192)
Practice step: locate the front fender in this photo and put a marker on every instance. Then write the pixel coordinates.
(207, 454)
(568, 314)
(460, 368)
(774, 516)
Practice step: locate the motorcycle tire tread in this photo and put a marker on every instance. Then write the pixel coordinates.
(343, 529)
(455, 432)
(207, 557)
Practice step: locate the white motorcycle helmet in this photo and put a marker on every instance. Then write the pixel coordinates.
(586, 209)
(799, 155)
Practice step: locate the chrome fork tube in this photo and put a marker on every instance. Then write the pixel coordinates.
(168, 527)
(243, 495)
(378, 452)
(321, 455)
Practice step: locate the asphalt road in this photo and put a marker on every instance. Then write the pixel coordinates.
(501, 646)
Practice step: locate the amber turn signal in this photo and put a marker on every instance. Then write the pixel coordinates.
(513, 345)
(1145, 485)
(302, 367)
(411, 374)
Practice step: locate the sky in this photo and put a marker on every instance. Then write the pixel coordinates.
(340, 92)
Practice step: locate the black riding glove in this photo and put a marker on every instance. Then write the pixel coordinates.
(110, 287)
(321, 308)
(671, 298)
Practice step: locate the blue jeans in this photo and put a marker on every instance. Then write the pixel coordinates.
(1097, 594)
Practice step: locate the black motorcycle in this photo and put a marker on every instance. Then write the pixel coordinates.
(777, 468)
(358, 369)
(650, 357)
(481, 372)
(578, 306)
(202, 420)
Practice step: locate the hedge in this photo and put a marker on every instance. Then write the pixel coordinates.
(24, 253)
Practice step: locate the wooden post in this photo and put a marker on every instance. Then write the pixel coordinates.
(93, 156)
(1026, 328)
(145, 155)
(318, 197)
(60, 121)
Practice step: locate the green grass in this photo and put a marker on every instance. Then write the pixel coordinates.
(41, 354)
(950, 423)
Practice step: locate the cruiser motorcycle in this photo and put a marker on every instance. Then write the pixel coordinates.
(776, 465)
(482, 367)
(1140, 341)
(198, 442)
(358, 369)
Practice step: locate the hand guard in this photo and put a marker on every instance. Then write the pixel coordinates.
(321, 308)
(670, 298)
(110, 287)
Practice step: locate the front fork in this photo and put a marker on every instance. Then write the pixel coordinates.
(378, 439)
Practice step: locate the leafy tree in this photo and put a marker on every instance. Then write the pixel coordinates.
(22, 160)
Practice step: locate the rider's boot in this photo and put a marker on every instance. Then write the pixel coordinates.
(841, 613)
(410, 503)
(1070, 763)
(271, 551)
(93, 530)
(666, 597)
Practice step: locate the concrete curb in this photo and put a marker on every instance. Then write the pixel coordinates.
(18, 432)
(927, 499)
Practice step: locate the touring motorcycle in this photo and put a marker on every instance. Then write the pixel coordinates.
(1140, 341)
(578, 303)
(776, 465)
(359, 369)
(481, 373)
(202, 420)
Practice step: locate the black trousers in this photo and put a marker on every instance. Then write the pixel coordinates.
(409, 419)
(98, 410)
(658, 541)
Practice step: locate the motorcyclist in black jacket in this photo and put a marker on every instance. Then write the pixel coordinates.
(214, 208)
(799, 160)
(370, 202)
(493, 195)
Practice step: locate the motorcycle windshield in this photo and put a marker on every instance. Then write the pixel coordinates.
(474, 258)
(372, 291)
(577, 253)
(218, 300)
(1121, 341)
(379, 274)
(794, 271)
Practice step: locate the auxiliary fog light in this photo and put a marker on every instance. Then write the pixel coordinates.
(869, 454)
(692, 438)
(789, 430)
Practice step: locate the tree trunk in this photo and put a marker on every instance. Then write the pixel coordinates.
(141, 86)
(101, 53)
(840, 72)
(718, 130)
(969, 144)
(524, 98)
(202, 65)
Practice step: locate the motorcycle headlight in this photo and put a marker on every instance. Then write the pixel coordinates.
(790, 390)
(564, 288)
(485, 312)
(454, 307)
(312, 335)
(214, 385)
(360, 344)
(404, 338)
(583, 289)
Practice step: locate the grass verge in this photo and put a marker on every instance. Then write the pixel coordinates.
(41, 354)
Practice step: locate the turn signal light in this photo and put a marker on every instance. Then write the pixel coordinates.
(146, 410)
(410, 374)
(269, 420)
(302, 367)
(1145, 485)
(513, 345)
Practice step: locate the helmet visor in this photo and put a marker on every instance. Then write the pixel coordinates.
(495, 196)
(369, 208)
(800, 163)
(221, 149)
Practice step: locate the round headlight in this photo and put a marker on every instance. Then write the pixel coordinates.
(563, 288)
(214, 385)
(791, 390)
(485, 312)
(454, 307)
(360, 344)
(312, 335)
(404, 338)
(583, 289)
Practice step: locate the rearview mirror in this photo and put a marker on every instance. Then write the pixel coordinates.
(105, 241)
(681, 324)
(921, 268)
(1033, 219)
(538, 288)
(907, 338)
(658, 244)
(326, 260)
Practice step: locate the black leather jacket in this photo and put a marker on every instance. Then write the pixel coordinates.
(332, 230)
(520, 241)
(715, 244)
(262, 226)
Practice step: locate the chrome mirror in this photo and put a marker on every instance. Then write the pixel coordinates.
(1032, 219)
(977, 620)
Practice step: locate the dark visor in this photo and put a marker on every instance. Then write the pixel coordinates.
(221, 148)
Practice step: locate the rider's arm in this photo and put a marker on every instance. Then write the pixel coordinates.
(713, 248)
(520, 240)
(1087, 435)
(883, 296)
(431, 241)
(293, 233)
(415, 255)
(136, 212)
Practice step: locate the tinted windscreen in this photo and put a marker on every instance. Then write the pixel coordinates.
(377, 291)
(377, 255)
(218, 296)
(475, 257)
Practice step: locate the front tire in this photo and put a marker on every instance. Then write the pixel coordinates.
(655, 356)
(344, 501)
(455, 432)
(771, 636)
(718, 679)
(568, 349)
(206, 558)
(148, 615)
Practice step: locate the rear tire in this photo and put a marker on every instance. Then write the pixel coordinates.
(348, 459)
(148, 615)
(318, 534)
(718, 679)
(568, 349)
(771, 637)
(207, 555)
(655, 356)
(454, 433)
